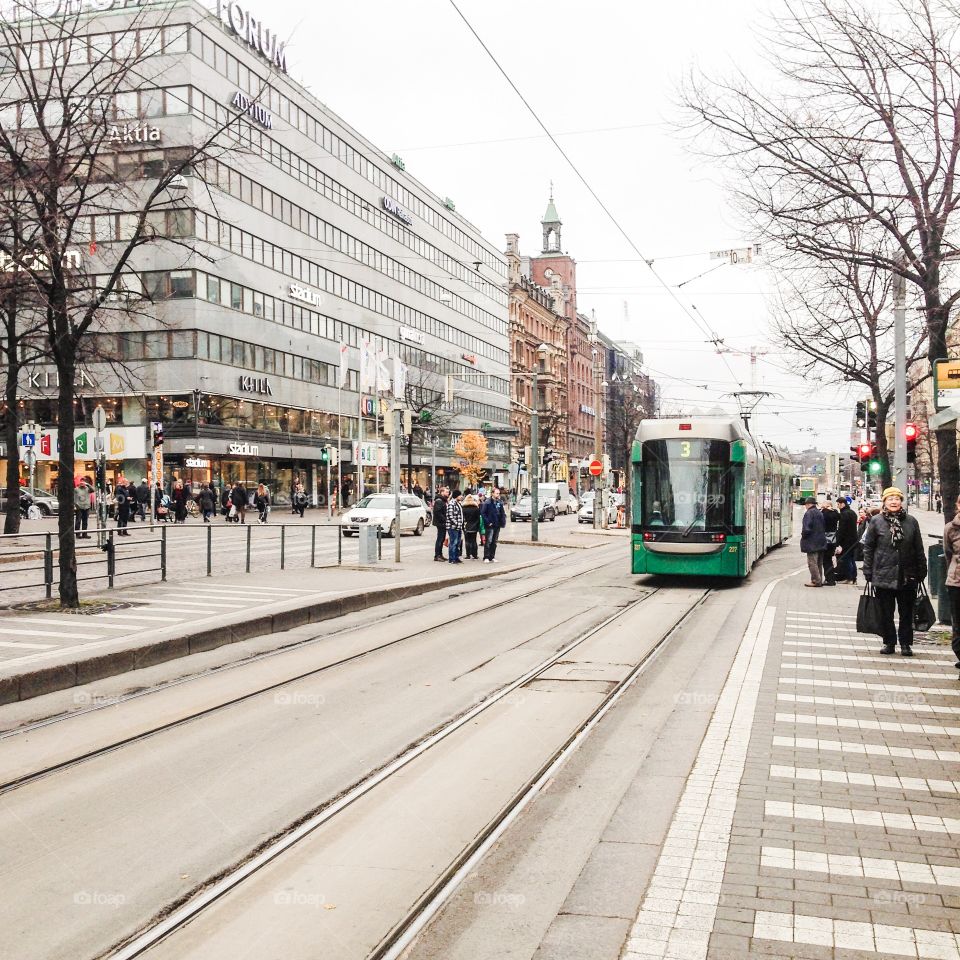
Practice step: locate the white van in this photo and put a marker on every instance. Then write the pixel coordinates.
(556, 494)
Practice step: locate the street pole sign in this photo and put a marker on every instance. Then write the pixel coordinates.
(596, 468)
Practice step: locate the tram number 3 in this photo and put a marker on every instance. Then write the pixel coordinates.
(685, 448)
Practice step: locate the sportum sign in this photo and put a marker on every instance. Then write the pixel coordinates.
(253, 33)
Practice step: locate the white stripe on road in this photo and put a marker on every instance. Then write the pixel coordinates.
(884, 687)
(226, 587)
(855, 657)
(932, 729)
(865, 749)
(140, 616)
(870, 704)
(940, 654)
(54, 623)
(46, 633)
(853, 778)
(884, 939)
(806, 615)
(838, 865)
(200, 604)
(861, 818)
(872, 671)
(23, 645)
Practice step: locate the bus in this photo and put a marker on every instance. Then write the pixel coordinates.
(806, 487)
(708, 498)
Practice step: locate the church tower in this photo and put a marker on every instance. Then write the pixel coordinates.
(551, 227)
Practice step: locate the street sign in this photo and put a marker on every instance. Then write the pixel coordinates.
(28, 440)
(29, 458)
(596, 468)
(946, 383)
(99, 418)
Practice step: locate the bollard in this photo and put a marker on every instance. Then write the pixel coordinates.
(111, 559)
(283, 546)
(48, 565)
(313, 545)
(249, 531)
(210, 550)
(163, 553)
(339, 545)
(380, 542)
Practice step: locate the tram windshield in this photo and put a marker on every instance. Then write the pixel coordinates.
(686, 485)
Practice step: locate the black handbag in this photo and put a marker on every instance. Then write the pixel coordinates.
(924, 616)
(868, 613)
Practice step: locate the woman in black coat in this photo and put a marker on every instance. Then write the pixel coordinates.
(895, 564)
(471, 524)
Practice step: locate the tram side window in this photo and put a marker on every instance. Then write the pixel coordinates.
(738, 497)
(685, 484)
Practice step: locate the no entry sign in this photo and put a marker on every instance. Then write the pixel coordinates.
(596, 468)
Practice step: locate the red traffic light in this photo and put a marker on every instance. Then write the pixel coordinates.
(865, 450)
(911, 432)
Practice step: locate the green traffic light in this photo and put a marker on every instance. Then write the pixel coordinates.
(875, 466)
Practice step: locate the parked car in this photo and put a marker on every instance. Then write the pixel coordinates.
(379, 510)
(523, 510)
(46, 503)
(573, 503)
(585, 513)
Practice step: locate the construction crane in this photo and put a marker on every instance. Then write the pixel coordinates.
(752, 353)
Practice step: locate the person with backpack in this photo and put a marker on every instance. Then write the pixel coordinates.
(82, 501)
(440, 521)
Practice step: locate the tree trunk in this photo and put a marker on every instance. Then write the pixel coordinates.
(883, 451)
(66, 369)
(949, 469)
(11, 523)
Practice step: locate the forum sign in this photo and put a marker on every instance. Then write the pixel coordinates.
(253, 33)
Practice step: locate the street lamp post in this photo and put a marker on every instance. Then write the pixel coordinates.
(534, 460)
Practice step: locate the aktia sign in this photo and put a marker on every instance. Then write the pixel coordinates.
(130, 133)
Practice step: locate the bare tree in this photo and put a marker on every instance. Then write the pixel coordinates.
(863, 127)
(424, 395)
(837, 317)
(63, 90)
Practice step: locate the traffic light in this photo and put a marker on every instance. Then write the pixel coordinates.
(855, 454)
(158, 435)
(525, 458)
(872, 415)
(548, 455)
(874, 467)
(101, 473)
(862, 414)
(911, 432)
(865, 451)
(325, 455)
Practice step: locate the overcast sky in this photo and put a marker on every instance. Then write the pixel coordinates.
(605, 75)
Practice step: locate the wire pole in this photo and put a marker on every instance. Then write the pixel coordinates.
(900, 384)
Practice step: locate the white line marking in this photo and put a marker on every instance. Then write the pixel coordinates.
(47, 633)
(825, 668)
(906, 871)
(884, 939)
(854, 778)
(865, 749)
(888, 704)
(140, 616)
(66, 624)
(941, 655)
(23, 645)
(933, 729)
(885, 687)
(862, 818)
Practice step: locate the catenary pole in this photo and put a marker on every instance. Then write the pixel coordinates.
(900, 384)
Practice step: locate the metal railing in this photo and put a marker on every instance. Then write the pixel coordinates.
(33, 566)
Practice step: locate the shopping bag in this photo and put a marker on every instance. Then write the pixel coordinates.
(868, 613)
(924, 616)
(233, 511)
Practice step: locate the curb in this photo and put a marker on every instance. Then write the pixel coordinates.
(49, 679)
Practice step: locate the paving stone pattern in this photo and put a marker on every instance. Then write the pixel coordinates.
(835, 822)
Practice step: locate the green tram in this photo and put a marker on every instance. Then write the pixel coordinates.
(708, 499)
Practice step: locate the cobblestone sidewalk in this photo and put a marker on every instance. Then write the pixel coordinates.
(822, 817)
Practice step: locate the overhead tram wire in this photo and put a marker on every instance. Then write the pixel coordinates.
(703, 326)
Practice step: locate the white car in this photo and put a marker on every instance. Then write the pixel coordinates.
(379, 510)
(585, 513)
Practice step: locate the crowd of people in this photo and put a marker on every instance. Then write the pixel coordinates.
(464, 518)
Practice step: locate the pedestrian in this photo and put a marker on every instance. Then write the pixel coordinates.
(938, 503)
(831, 520)
(238, 500)
(418, 490)
(471, 525)
(813, 541)
(261, 500)
(454, 526)
(846, 542)
(494, 520)
(299, 498)
(208, 502)
(951, 557)
(179, 497)
(82, 493)
(143, 499)
(440, 522)
(125, 498)
(159, 510)
(894, 562)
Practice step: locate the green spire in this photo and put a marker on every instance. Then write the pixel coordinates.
(551, 216)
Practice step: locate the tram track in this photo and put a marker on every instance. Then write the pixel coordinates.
(17, 783)
(175, 916)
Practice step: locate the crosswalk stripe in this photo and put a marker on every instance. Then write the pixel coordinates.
(46, 633)
(932, 729)
(884, 687)
(941, 654)
(857, 779)
(65, 624)
(906, 871)
(870, 704)
(861, 817)
(866, 749)
(140, 616)
(826, 668)
(23, 645)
